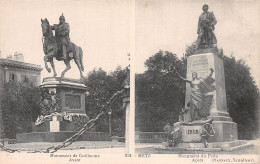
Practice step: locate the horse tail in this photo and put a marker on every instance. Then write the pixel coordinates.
(81, 58)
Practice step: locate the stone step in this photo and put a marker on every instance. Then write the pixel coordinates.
(60, 136)
(221, 118)
(226, 144)
(213, 144)
(226, 114)
(191, 145)
(204, 149)
(193, 149)
(230, 146)
(212, 149)
(237, 147)
(232, 143)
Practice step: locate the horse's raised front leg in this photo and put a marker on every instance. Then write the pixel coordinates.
(67, 62)
(46, 57)
(46, 65)
(53, 67)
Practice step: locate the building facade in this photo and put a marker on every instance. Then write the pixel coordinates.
(14, 69)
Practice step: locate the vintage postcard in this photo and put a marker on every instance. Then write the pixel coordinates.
(172, 81)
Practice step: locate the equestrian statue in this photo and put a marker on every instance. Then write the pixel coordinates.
(60, 47)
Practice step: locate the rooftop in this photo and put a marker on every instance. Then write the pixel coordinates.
(14, 63)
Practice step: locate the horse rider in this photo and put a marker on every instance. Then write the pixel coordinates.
(62, 31)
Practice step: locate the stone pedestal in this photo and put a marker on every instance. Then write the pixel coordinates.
(70, 93)
(60, 136)
(64, 113)
(201, 62)
(67, 113)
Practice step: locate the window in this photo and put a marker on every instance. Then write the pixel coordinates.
(11, 77)
(25, 79)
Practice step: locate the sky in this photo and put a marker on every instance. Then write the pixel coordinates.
(170, 25)
(107, 30)
(102, 28)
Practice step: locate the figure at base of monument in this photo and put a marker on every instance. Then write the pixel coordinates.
(198, 107)
(194, 118)
(167, 129)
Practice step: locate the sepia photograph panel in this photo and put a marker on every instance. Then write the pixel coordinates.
(197, 79)
(64, 68)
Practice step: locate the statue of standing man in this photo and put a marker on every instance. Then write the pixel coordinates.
(206, 27)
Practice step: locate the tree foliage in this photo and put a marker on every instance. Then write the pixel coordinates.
(21, 103)
(101, 86)
(242, 96)
(159, 93)
(20, 107)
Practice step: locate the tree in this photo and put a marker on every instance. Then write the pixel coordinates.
(20, 102)
(159, 97)
(242, 96)
(101, 86)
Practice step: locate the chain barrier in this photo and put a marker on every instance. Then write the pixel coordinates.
(104, 110)
(8, 149)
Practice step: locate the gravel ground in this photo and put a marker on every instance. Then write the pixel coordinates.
(158, 149)
(33, 146)
(142, 148)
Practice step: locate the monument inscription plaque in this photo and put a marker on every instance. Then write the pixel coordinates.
(191, 134)
(72, 101)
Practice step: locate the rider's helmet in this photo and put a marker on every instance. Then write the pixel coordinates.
(62, 17)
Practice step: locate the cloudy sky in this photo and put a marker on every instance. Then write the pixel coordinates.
(102, 28)
(107, 30)
(171, 24)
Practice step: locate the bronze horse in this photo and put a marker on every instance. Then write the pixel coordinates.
(51, 48)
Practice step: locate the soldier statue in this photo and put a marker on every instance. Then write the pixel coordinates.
(60, 47)
(206, 27)
(62, 31)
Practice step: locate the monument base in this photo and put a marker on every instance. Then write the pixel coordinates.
(201, 62)
(63, 113)
(225, 128)
(224, 131)
(60, 136)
